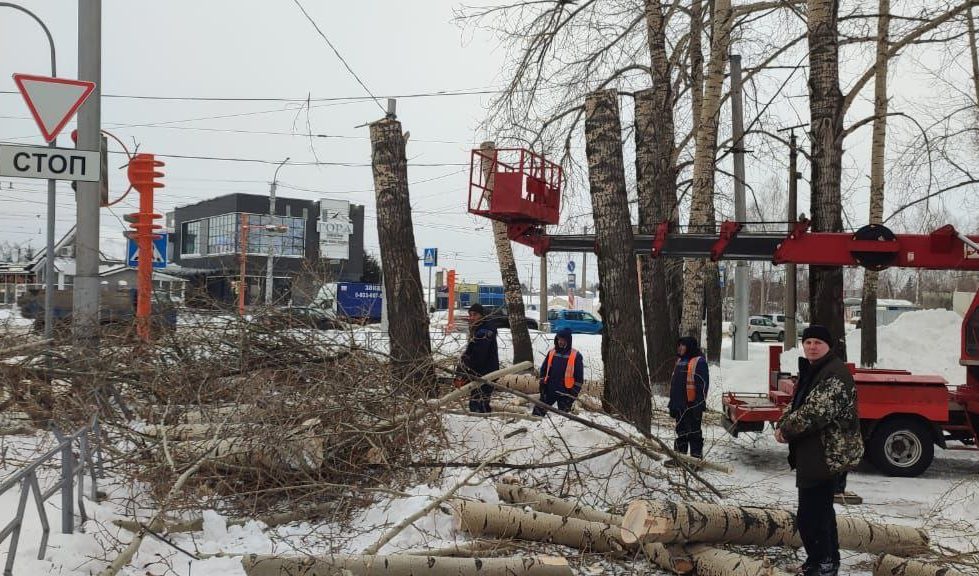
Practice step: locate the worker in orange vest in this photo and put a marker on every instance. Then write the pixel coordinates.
(561, 375)
(688, 397)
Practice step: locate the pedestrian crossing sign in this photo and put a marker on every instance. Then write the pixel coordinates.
(431, 257)
(159, 252)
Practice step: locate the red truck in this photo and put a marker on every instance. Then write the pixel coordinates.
(902, 415)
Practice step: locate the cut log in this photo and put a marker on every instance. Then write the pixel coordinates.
(469, 549)
(888, 565)
(481, 519)
(709, 561)
(673, 558)
(523, 496)
(197, 524)
(678, 522)
(526, 383)
(404, 565)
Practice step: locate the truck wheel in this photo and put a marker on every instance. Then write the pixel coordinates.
(902, 447)
(756, 337)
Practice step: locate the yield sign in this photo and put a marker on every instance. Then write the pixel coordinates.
(52, 101)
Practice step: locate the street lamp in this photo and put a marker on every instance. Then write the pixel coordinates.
(49, 251)
(269, 279)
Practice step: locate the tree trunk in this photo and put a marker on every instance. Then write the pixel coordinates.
(661, 283)
(826, 136)
(304, 452)
(888, 565)
(661, 336)
(402, 565)
(868, 305)
(481, 519)
(705, 156)
(411, 349)
(626, 379)
(710, 561)
(676, 522)
(522, 347)
(971, 26)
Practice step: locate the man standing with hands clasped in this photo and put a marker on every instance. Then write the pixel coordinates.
(823, 432)
(688, 398)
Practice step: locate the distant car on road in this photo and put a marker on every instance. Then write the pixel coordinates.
(497, 318)
(779, 320)
(762, 328)
(578, 321)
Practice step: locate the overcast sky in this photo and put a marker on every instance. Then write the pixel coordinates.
(202, 55)
(234, 49)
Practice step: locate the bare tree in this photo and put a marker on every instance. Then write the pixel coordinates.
(626, 388)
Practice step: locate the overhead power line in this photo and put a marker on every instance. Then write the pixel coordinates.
(337, 52)
(351, 99)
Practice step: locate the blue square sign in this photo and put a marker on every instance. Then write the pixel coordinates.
(159, 252)
(431, 257)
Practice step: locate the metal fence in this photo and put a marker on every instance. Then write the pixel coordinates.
(73, 469)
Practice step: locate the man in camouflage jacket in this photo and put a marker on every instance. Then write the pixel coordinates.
(823, 432)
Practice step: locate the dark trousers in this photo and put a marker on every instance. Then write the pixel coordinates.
(563, 398)
(479, 399)
(816, 519)
(689, 434)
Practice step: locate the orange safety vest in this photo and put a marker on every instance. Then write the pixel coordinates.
(568, 370)
(691, 378)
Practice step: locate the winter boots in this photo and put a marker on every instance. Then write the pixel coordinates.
(825, 568)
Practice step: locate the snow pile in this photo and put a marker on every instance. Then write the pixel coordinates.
(922, 341)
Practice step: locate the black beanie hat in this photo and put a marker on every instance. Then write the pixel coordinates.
(819, 332)
(477, 308)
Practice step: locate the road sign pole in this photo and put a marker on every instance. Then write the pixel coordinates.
(430, 295)
(86, 289)
(49, 258)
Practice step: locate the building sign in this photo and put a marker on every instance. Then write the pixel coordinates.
(335, 229)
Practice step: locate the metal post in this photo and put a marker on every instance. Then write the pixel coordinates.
(739, 348)
(269, 231)
(85, 317)
(543, 293)
(67, 478)
(51, 208)
(584, 268)
(431, 295)
(791, 332)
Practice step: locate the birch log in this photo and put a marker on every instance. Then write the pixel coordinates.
(481, 519)
(403, 565)
(302, 453)
(709, 561)
(673, 522)
(888, 565)
(521, 495)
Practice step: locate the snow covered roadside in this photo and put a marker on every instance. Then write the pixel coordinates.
(943, 500)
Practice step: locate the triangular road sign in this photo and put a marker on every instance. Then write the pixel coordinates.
(52, 101)
(157, 257)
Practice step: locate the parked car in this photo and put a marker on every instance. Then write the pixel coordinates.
(305, 317)
(779, 320)
(762, 328)
(578, 321)
(496, 318)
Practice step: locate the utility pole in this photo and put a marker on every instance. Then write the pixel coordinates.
(739, 348)
(791, 333)
(270, 230)
(584, 268)
(543, 293)
(85, 316)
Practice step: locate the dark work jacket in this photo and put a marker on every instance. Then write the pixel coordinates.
(555, 378)
(678, 386)
(481, 356)
(822, 426)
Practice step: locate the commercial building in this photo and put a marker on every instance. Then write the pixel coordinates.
(217, 242)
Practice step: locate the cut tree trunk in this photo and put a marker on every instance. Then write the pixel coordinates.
(626, 379)
(710, 561)
(481, 519)
(523, 496)
(411, 349)
(705, 160)
(403, 565)
(868, 305)
(826, 136)
(888, 565)
(519, 333)
(673, 522)
(301, 453)
(661, 279)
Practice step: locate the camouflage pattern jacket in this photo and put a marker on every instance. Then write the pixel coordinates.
(822, 426)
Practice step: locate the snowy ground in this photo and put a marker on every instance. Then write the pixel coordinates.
(945, 500)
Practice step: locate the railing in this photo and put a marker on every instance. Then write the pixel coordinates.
(71, 469)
